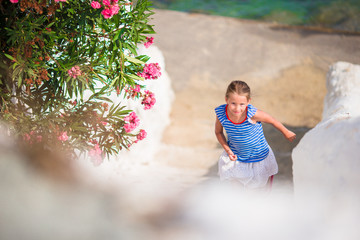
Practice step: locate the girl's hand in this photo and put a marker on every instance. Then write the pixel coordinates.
(232, 156)
(290, 135)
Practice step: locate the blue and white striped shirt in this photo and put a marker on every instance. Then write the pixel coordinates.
(245, 139)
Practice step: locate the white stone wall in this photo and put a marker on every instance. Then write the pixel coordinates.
(326, 162)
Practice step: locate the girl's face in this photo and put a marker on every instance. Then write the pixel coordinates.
(237, 103)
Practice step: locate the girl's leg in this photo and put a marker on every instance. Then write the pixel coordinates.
(267, 187)
(270, 183)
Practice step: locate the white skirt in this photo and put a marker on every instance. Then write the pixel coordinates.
(251, 175)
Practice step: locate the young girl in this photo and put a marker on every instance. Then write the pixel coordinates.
(247, 159)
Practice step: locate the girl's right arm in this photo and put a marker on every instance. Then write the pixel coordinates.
(264, 117)
(222, 140)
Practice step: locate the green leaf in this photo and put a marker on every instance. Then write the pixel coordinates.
(117, 35)
(123, 112)
(49, 25)
(134, 60)
(133, 76)
(19, 80)
(9, 56)
(114, 81)
(105, 99)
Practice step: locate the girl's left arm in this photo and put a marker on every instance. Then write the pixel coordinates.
(261, 116)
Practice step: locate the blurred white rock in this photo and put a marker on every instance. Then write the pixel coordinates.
(327, 159)
(343, 92)
(326, 162)
(34, 207)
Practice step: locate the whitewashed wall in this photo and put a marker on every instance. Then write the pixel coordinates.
(327, 160)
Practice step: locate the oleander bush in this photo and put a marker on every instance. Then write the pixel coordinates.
(55, 52)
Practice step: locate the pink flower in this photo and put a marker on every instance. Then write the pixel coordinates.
(136, 89)
(74, 72)
(107, 3)
(149, 42)
(129, 127)
(103, 123)
(26, 137)
(105, 106)
(111, 8)
(63, 137)
(95, 155)
(106, 13)
(132, 118)
(114, 9)
(14, 1)
(133, 122)
(73, 103)
(142, 134)
(148, 100)
(60, 0)
(32, 137)
(151, 71)
(133, 91)
(95, 5)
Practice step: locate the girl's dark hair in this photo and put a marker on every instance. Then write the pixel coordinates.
(238, 87)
